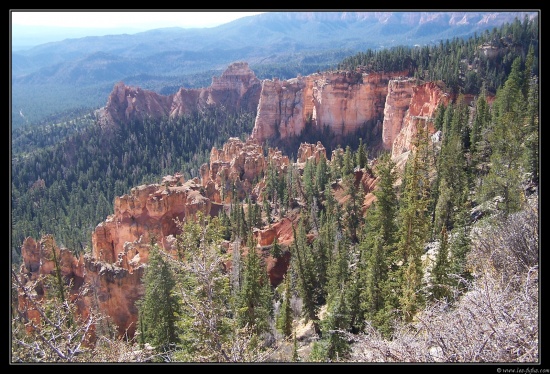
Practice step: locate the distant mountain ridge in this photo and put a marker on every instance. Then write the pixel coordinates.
(81, 72)
(303, 30)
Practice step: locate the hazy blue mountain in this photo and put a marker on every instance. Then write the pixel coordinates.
(80, 72)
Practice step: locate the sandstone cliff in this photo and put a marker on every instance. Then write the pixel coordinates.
(149, 210)
(108, 288)
(237, 88)
(398, 100)
(343, 101)
(425, 99)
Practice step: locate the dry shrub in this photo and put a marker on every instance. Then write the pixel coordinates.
(508, 247)
(119, 350)
(496, 321)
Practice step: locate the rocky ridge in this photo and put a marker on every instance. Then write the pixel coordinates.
(237, 88)
(121, 243)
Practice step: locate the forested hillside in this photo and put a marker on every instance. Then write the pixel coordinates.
(66, 186)
(442, 266)
(82, 188)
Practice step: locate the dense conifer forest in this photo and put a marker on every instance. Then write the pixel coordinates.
(457, 237)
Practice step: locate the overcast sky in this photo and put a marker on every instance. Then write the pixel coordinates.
(30, 28)
(138, 19)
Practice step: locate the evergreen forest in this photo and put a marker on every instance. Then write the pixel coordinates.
(442, 267)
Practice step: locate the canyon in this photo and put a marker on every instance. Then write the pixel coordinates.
(389, 103)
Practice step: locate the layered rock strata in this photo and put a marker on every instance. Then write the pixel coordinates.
(120, 244)
(424, 101)
(237, 88)
(343, 101)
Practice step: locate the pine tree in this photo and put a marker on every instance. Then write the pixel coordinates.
(289, 191)
(378, 247)
(308, 178)
(302, 263)
(276, 250)
(209, 330)
(532, 137)
(452, 176)
(413, 225)
(285, 318)
(440, 271)
(361, 155)
(205, 294)
(351, 312)
(254, 307)
(330, 202)
(323, 250)
(271, 182)
(295, 356)
(337, 272)
(353, 207)
(447, 120)
(348, 161)
(335, 322)
(159, 307)
(267, 209)
(480, 122)
(459, 247)
(321, 176)
(506, 139)
(439, 117)
(236, 268)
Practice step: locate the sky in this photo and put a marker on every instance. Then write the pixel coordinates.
(139, 19)
(36, 27)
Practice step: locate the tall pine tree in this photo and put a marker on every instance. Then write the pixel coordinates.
(413, 225)
(254, 307)
(159, 307)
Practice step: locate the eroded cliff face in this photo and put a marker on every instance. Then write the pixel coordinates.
(343, 101)
(237, 88)
(398, 100)
(424, 101)
(120, 249)
(120, 245)
(236, 167)
(149, 210)
(94, 284)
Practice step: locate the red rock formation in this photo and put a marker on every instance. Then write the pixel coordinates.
(149, 211)
(276, 267)
(133, 103)
(311, 151)
(237, 164)
(115, 268)
(424, 101)
(237, 88)
(397, 104)
(121, 243)
(39, 258)
(115, 291)
(344, 101)
(278, 160)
